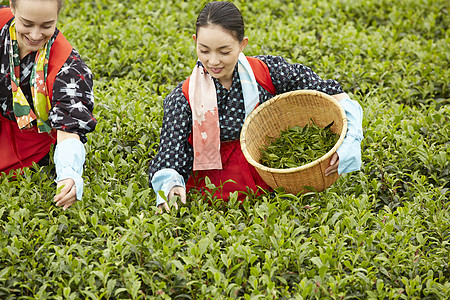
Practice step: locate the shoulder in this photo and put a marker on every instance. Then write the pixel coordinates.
(280, 67)
(272, 60)
(60, 46)
(74, 78)
(5, 22)
(76, 60)
(175, 101)
(277, 65)
(66, 57)
(5, 15)
(75, 65)
(60, 53)
(176, 95)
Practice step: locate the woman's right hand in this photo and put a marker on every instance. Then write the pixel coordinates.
(67, 195)
(176, 190)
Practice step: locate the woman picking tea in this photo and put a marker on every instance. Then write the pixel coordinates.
(203, 115)
(46, 96)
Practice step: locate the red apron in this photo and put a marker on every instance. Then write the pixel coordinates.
(20, 148)
(234, 165)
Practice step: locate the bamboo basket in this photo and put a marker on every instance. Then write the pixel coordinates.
(287, 110)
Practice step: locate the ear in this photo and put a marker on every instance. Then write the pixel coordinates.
(194, 37)
(244, 43)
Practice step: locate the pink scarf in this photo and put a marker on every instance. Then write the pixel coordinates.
(205, 120)
(205, 114)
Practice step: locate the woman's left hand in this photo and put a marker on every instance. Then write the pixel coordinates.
(334, 164)
(68, 194)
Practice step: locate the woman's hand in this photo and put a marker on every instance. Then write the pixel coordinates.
(176, 190)
(68, 193)
(334, 164)
(341, 96)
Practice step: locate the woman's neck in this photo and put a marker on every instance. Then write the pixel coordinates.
(226, 83)
(22, 53)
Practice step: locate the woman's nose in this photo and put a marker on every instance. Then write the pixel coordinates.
(35, 34)
(214, 59)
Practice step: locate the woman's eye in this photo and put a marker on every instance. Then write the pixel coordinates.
(27, 25)
(203, 51)
(225, 53)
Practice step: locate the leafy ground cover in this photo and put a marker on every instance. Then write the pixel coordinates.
(381, 233)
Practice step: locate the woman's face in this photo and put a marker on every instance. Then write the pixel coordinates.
(35, 23)
(218, 50)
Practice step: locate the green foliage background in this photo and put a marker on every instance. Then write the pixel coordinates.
(381, 233)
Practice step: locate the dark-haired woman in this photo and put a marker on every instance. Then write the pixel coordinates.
(203, 115)
(46, 96)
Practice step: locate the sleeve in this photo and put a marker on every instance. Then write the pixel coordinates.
(175, 152)
(164, 180)
(69, 160)
(350, 150)
(73, 98)
(288, 77)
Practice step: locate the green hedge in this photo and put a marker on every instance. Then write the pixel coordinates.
(381, 233)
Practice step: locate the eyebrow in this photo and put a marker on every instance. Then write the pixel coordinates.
(223, 47)
(28, 21)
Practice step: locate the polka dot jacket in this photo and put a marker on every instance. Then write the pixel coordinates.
(175, 152)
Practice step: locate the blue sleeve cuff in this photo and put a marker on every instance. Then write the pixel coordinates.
(164, 180)
(69, 160)
(350, 150)
(349, 155)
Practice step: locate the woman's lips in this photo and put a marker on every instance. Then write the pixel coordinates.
(216, 70)
(33, 42)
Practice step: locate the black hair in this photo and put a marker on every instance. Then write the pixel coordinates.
(222, 13)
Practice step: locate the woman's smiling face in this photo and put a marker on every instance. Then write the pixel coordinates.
(35, 23)
(218, 50)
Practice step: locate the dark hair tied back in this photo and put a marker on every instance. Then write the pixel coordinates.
(222, 13)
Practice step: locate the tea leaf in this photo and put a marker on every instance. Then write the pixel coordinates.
(379, 233)
(59, 189)
(297, 146)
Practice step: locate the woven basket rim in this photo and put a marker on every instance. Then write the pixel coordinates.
(302, 167)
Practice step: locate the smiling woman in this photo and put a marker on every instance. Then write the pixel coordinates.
(46, 96)
(35, 24)
(204, 115)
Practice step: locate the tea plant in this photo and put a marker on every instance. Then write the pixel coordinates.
(380, 233)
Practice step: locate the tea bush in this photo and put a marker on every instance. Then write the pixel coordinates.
(380, 233)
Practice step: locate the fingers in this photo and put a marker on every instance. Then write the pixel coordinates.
(66, 185)
(334, 158)
(175, 204)
(175, 191)
(334, 164)
(67, 195)
(166, 207)
(68, 199)
(180, 191)
(330, 170)
(183, 196)
(161, 206)
(70, 202)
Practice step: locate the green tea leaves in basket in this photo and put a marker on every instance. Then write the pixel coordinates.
(297, 146)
